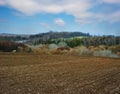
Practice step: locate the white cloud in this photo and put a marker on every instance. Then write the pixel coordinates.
(111, 1)
(59, 22)
(31, 7)
(80, 9)
(2, 2)
(115, 17)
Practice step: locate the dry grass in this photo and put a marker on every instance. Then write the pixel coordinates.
(58, 74)
(40, 51)
(114, 49)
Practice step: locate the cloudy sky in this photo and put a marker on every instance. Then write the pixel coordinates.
(97, 17)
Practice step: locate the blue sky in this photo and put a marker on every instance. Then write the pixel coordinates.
(97, 17)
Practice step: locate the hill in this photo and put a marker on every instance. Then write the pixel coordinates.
(57, 35)
(31, 39)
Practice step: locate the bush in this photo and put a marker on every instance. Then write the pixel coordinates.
(52, 46)
(103, 47)
(36, 50)
(118, 53)
(114, 49)
(7, 46)
(14, 51)
(62, 44)
(40, 50)
(28, 49)
(105, 53)
(39, 46)
(74, 42)
(20, 49)
(84, 51)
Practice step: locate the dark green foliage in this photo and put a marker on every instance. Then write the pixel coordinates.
(7, 46)
(13, 38)
(86, 41)
(74, 42)
(57, 35)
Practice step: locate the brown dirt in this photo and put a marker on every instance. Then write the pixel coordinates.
(58, 74)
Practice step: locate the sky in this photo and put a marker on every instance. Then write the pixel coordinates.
(97, 17)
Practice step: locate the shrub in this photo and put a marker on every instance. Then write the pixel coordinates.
(52, 46)
(73, 51)
(40, 51)
(91, 47)
(118, 53)
(84, 51)
(74, 42)
(14, 51)
(39, 46)
(21, 45)
(28, 49)
(36, 50)
(103, 47)
(114, 49)
(105, 53)
(62, 44)
(20, 49)
(7, 46)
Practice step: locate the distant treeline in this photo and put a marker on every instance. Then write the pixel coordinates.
(103, 40)
(86, 41)
(13, 38)
(8, 46)
(57, 35)
(72, 39)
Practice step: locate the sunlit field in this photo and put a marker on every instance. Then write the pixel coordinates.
(30, 73)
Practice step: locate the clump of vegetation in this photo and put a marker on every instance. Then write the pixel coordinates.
(103, 47)
(52, 46)
(23, 48)
(105, 53)
(7, 46)
(13, 38)
(38, 50)
(93, 51)
(20, 49)
(54, 51)
(83, 51)
(114, 49)
(39, 46)
(74, 42)
(62, 44)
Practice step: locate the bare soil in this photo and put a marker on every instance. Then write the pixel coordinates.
(58, 74)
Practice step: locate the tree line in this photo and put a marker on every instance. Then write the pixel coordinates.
(86, 41)
(13, 38)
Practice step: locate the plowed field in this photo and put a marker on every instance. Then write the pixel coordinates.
(58, 74)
